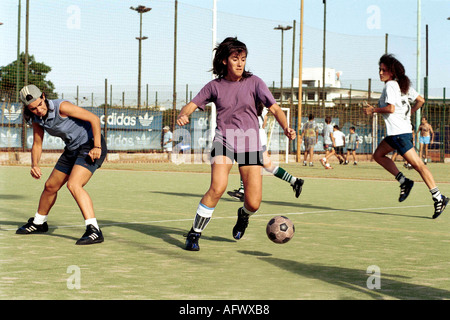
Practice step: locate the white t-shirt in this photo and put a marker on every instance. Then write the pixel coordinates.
(409, 98)
(398, 122)
(326, 133)
(338, 138)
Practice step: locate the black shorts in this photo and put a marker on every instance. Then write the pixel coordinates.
(339, 150)
(243, 159)
(80, 156)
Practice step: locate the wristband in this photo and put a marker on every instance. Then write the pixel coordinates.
(97, 147)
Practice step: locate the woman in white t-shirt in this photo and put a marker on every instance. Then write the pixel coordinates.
(396, 111)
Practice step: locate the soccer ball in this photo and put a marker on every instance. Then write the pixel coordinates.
(280, 229)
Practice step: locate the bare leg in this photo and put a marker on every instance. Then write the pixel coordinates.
(220, 169)
(252, 179)
(380, 157)
(48, 197)
(78, 178)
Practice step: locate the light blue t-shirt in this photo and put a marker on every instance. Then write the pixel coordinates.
(167, 137)
(74, 132)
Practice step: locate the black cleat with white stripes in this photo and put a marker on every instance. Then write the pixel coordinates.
(30, 227)
(91, 236)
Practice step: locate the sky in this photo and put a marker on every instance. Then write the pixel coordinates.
(86, 42)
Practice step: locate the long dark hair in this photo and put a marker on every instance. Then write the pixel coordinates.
(227, 47)
(398, 70)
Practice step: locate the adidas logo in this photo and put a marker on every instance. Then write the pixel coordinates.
(12, 114)
(146, 120)
(31, 228)
(93, 236)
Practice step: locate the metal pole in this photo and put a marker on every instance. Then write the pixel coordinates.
(324, 50)
(18, 56)
(282, 47)
(140, 62)
(214, 41)
(140, 10)
(105, 110)
(300, 93)
(386, 40)
(418, 112)
(26, 41)
(281, 72)
(174, 90)
(292, 66)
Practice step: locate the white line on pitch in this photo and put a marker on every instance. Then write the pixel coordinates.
(231, 217)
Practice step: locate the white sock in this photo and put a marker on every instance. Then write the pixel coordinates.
(202, 217)
(39, 219)
(92, 221)
(248, 211)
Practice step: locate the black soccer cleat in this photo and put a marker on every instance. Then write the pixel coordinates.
(192, 240)
(236, 194)
(439, 206)
(91, 236)
(241, 224)
(405, 189)
(30, 227)
(298, 184)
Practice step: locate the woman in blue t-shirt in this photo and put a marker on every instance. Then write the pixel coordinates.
(84, 152)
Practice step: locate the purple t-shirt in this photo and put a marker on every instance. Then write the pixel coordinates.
(237, 115)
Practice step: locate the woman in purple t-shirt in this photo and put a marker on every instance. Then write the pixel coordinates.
(236, 94)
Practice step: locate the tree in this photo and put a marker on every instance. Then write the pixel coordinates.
(37, 72)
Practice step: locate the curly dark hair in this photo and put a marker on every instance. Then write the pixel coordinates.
(227, 47)
(398, 70)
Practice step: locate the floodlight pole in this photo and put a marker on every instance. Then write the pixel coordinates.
(282, 28)
(140, 10)
(18, 54)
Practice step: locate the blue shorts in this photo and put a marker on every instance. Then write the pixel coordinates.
(425, 140)
(244, 159)
(80, 156)
(401, 142)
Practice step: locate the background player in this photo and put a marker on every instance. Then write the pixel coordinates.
(426, 138)
(277, 171)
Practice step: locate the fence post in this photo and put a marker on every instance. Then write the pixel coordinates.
(105, 110)
(443, 136)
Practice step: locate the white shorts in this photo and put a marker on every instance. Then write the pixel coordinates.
(263, 138)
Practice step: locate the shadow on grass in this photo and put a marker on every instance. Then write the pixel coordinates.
(354, 279)
(172, 236)
(296, 203)
(11, 197)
